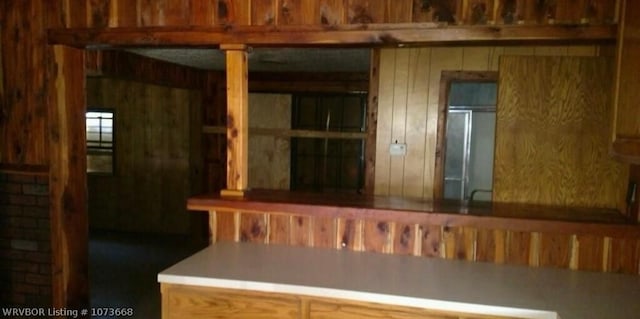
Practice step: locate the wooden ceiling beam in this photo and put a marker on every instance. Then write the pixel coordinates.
(371, 35)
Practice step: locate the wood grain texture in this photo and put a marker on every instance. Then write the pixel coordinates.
(624, 256)
(590, 253)
(567, 163)
(555, 250)
(404, 239)
(226, 227)
(201, 302)
(626, 127)
(203, 12)
(347, 234)
(370, 147)
(67, 178)
(279, 229)
(237, 118)
(432, 241)
(399, 11)
(324, 232)
(365, 11)
(153, 156)
(377, 236)
(253, 227)
(263, 12)
(518, 247)
(300, 230)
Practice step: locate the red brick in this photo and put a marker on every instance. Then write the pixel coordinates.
(22, 178)
(21, 266)
(26, 288)
(45, 269)
(36, 211)
(37, 279)
(43, 201)
(22, 200)
(10, 210)
(11, 188)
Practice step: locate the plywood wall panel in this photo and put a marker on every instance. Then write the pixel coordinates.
(567, 163)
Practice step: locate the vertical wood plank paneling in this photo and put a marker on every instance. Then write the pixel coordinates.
(479, 12)
(347, 233)
(432, 242)
(279, 229)
(437, 11)
(300, 227)
(290, 12)
(365, 11)
(147, 13)
(123, 13)
(416, 122)
(403, 239)
(399, 11)
(98, 13)
(568, 163)
(237, 12)
(377, 236)
(518, 246)
(399, 119)
(385, 111)
(590, 252)
(324, 232)
(555, 250)
(253, 227)
(332, 12)
(226, 226)
(203, 12)
(625, 255)
(491, 245)
(263, 12)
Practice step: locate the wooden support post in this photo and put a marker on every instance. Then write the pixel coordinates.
(237, 119)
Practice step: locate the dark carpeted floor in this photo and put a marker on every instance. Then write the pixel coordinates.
(123, 268)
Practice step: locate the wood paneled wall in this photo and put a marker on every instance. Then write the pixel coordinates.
(154, 152)
(269, 155)
(553, 125)
(408, 106)
(593, 252)
(128, 13)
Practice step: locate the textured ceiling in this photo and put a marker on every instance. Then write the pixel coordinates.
(270, 60)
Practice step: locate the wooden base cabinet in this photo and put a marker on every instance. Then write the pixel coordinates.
(180, 301)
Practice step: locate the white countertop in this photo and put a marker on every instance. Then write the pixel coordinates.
(431, 283)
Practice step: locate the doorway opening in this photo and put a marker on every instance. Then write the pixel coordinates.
(466, 136)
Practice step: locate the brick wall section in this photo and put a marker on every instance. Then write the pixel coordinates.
(25, 240)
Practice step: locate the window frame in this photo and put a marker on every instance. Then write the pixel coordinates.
(92, 150)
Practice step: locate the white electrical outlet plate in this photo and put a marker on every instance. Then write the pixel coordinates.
(398, 149)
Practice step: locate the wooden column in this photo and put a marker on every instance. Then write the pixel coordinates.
(237, 119)
(67, 180)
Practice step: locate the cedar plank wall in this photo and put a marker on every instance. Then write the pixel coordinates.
(153, 157)
(127, 13)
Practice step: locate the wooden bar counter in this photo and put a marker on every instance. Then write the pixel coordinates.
(537, 236)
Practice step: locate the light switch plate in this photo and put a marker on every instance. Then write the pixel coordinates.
(398, 149)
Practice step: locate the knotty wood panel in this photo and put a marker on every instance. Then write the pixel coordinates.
(263, 12)
(237, 118)
(590, 253)
(625, 254)
(518, 248)
(432, 241)
(253, 227)
(377, 236)
(279, 229)
(404, 239)
(399, 11)
(300, 230)
(438, 11)
(324, 232)
(567, 163)
(555, 250)
(347, 234)
(365, 11)
(203, 12)
(226, 226)
(491, 245)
